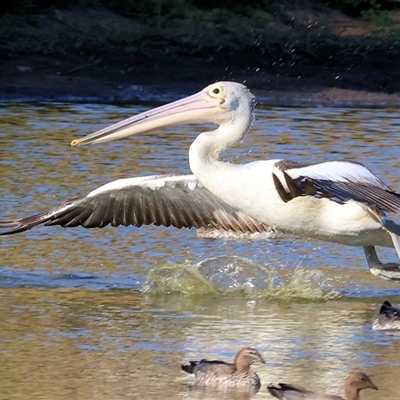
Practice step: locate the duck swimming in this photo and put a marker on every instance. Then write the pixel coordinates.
(354, 383)
(389, 318)
(223, 375)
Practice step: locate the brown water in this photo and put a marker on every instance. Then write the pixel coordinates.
(73, 322)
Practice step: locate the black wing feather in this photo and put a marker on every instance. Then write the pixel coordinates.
(377, 196)
(137, 204)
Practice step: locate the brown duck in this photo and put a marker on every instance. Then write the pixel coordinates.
(389, 318)
(223, 375)
(353, 384)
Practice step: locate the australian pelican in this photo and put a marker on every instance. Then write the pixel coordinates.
(337, 201)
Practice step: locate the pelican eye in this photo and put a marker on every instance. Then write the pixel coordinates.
(217, 94)
(216, 91)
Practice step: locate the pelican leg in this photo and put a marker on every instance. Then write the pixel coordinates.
(388, 272)
(393, 230)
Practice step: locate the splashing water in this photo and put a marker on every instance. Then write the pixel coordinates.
(180, 278)
(237, 276)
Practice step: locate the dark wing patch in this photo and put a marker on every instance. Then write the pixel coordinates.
(284, 165)
(279, 390)
(389, 311)
(285, 194)
(340, 192)
(191, 367)
(173, 204)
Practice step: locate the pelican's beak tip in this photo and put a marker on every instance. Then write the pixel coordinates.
(74, 143)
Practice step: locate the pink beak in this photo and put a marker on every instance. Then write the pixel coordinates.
(198, 108)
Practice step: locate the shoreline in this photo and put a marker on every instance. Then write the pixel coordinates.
(46, 79)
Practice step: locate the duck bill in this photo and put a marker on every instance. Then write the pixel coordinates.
(198, 108)
(372, 385)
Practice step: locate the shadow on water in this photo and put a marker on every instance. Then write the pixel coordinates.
(112, 313)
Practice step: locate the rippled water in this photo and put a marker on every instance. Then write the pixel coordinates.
(73, 321)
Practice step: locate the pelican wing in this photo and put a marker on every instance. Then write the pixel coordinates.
(339, 181)
(179, 201)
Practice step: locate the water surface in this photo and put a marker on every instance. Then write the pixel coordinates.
(74, 323)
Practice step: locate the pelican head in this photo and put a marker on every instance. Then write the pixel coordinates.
(218, 103)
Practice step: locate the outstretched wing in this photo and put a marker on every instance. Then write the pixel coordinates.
(179, 201)
(339, 181)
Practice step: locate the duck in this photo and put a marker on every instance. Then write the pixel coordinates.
(389, 318)
(354, 383)
(224, 375)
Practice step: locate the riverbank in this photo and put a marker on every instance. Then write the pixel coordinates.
(348, 68)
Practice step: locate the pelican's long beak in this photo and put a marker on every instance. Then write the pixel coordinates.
(198, 108)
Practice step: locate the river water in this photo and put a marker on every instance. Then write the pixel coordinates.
(74, 321)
